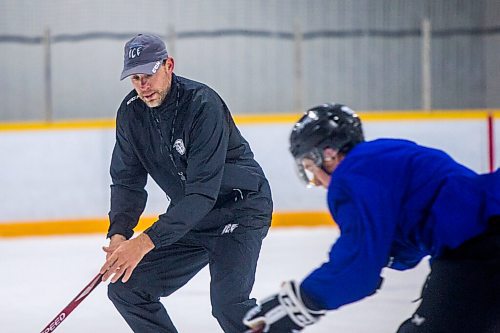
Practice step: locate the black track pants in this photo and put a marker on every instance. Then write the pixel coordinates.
(232, 259)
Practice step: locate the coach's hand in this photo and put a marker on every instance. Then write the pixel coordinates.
(123, 256)
(281, 313)
(114, 241)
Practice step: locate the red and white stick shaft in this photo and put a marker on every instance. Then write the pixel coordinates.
(73, 304)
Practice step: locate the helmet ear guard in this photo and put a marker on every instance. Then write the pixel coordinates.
(329, 125)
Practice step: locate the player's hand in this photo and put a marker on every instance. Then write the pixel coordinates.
(123, 256)
(281, 313)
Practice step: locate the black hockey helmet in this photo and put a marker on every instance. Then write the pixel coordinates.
(329, 125)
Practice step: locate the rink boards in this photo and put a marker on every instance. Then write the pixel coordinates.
(55, 177)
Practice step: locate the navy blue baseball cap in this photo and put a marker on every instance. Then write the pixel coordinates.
(143, 54)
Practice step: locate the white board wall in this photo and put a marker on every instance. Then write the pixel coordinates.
(64, 174)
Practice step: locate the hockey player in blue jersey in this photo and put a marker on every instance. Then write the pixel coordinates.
(395, 202)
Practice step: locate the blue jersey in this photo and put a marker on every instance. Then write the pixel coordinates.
(396, 202)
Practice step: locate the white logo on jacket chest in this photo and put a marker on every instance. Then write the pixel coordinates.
(179, 146)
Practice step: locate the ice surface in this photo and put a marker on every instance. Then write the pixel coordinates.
(40, 276)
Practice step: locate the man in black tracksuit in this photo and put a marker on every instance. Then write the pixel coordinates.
(181, 133)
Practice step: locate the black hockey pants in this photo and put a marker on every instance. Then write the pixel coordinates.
(462, 292)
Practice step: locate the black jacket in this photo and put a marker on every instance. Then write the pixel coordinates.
(192, 149)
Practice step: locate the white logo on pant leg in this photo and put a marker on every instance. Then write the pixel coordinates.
(417, 320)
(229, 228)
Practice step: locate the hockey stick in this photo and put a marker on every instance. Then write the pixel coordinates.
(72, 305)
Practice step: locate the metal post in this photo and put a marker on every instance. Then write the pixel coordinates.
(48, 76)
(297, 70)
(171, 38)
(426, 65)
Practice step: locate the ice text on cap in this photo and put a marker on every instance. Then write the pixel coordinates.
(134, 51)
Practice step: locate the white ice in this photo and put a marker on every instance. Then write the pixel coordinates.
(40, 276)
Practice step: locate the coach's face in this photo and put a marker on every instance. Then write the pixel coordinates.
(152, 89)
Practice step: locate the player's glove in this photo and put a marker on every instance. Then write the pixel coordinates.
(281, 313)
